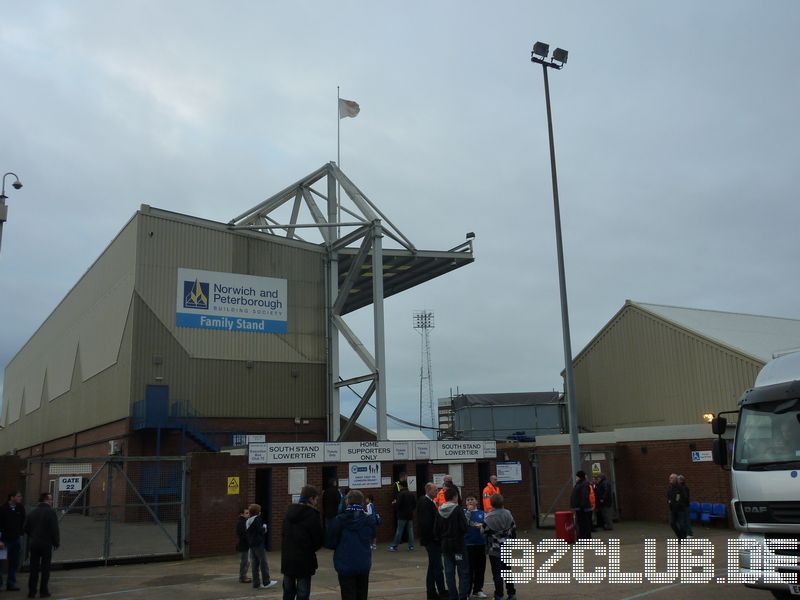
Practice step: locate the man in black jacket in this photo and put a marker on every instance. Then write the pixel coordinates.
(43, 535)
(302, 537)
(12, 520)
(405, 504)
(426, 520)
(678, 502)
(580, 503)
(451, 527)
(242, 546)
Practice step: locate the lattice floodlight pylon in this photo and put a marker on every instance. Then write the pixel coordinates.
(351, 228)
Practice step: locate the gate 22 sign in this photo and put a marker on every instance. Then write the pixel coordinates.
(70, 484)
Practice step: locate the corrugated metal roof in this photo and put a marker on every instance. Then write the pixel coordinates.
(759, 336)
(517, 398)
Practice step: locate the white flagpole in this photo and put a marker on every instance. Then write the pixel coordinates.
(338, 161)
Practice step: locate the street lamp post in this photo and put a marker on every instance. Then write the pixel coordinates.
(539, 55)
(3, 208)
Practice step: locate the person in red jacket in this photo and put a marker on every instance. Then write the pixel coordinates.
(490, 490)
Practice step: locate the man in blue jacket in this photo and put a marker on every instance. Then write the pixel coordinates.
(351, 538)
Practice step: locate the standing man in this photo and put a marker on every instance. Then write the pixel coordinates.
(490, 490)
(41, 526)
(426, 519)
(331, 498)
(242, 546)
(351, 536)
(451, 527)
(404, 507)
(447, 483)
(499, 527)
(580, 502)
(302, 537)
(687, 522)
(257, 538)
(678, 505)
(12, 521)
(603, 499)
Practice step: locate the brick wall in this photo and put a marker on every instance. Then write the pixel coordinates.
(212, 511)
(642, 471)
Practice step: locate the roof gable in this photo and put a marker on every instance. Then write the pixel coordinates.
(758, 336)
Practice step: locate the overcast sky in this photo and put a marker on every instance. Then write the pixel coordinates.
(676, 131)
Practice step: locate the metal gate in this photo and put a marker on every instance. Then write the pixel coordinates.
(554, 479)
(113, 507)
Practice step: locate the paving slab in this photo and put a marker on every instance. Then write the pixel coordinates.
(399, 575)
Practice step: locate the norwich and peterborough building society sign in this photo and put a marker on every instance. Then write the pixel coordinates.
(231, 302)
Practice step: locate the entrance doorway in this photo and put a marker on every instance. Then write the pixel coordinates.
(422, 478)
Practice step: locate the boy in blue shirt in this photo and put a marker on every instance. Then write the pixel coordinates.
(476, 546)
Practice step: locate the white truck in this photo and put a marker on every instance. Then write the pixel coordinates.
(765, 476)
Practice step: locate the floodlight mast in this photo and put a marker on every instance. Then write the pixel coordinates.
(539, 55)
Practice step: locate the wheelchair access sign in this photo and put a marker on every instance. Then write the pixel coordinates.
(701, 456)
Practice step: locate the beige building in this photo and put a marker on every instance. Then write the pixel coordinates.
(654, 365)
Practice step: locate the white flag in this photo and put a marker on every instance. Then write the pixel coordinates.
(348, 108)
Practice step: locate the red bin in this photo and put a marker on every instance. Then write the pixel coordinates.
(565, 526)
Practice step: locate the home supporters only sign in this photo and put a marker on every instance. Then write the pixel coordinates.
(231, 302)
(352, 452)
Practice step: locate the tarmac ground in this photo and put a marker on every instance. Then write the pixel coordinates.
(398, 575)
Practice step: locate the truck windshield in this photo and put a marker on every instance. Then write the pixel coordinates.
(768, 436)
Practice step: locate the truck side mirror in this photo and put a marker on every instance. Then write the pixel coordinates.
(719, 425)
(719, 452)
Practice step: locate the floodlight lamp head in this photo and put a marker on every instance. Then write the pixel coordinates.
(560, 55)
(471, 235)
(17, 184)
(540, 49)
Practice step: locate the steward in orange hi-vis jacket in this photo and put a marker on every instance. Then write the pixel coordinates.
(490, 490)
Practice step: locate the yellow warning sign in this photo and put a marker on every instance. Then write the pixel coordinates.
(233, 485)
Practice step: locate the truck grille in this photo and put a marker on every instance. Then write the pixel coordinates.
(771, 512)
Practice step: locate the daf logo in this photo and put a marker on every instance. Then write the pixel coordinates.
(755, 509)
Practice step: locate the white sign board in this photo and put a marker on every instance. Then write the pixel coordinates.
(257, 453)
(422, 450)
(231, 302)
(72, 483)
(451, 452)
(701, 456)
(364, 475)
(412, 483)
(366, 451)
(297, 479)
(509, 471)
(459, 450)
(302, 452)
(332, 452)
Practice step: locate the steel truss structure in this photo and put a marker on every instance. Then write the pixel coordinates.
(359, 271)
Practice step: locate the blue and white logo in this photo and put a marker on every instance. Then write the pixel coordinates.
(195, 294)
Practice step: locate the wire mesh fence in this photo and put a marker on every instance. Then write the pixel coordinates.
(113, 507)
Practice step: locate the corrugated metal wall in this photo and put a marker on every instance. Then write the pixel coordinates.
(74, 372)
(643, 371)
(209, 369)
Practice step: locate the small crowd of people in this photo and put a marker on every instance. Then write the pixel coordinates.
(592, 498)
(457, 534)
(41, 527)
